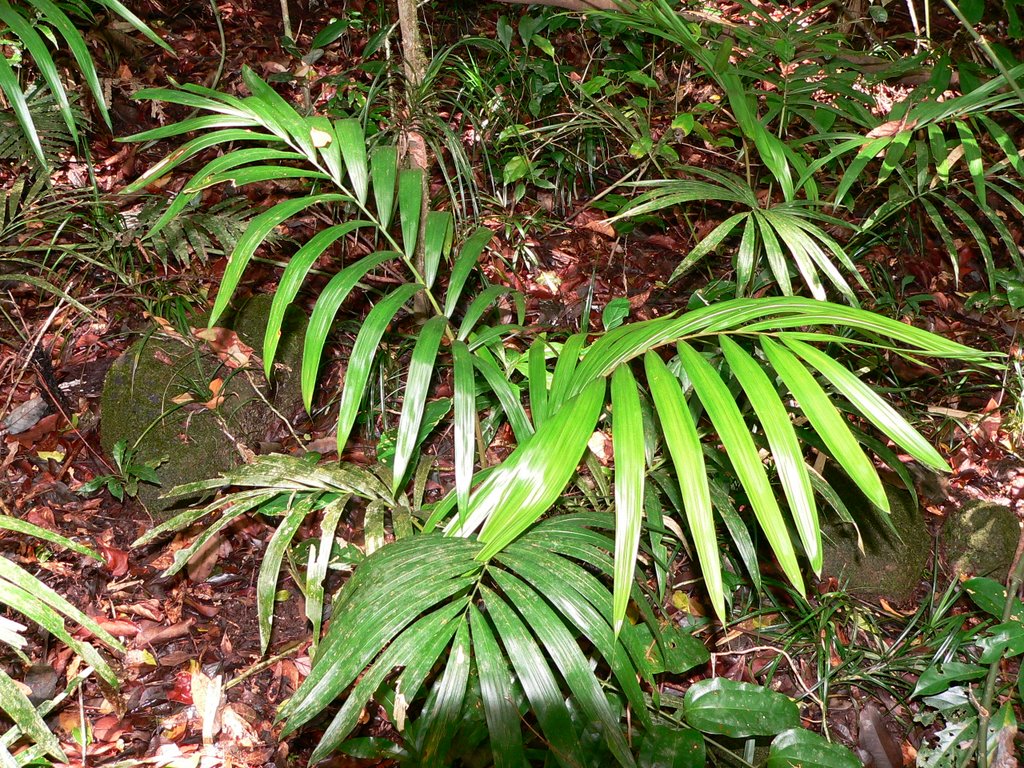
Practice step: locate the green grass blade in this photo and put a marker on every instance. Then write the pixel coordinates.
(337, 290)
(828, 423)
(437, 242)
(525, 486)
(17, 706)
(254, 235)
(384, 174)
(537, 680)
(785, 448)
(869, 404)
(773, 251)
(360, 362)
(573, 665)
(465, 422)
(12, 90)
(481, 303)
(739, 446)
(352, 142)
(538, 380)
(441, 714)
(270, 567)
(683, 443)
(29, 529)
(507, 393)
(410, 198)
(565, 370)
(628, 444)
(421, 369)
(503, 728)
(975, 161)
(463, 267)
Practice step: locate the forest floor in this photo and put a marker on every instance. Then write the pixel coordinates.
(187, 632)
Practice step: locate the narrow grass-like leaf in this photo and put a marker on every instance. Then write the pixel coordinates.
(410, 200)
(683, 443)
(830, 426)
(538, 681)
(975, 161)
(870, 405)
(441, 713)
(1007, 144)
(421, 369)
(797, 247)
(360, 361)
(538, 380)
(325, 140)
(480, 304)
(708, 244)
(419, 645)
(894, 152)
(437, 242)
(464, 383)
(746, 254)
(12, 90)
(384, 175)
(529, 481)
(17, 706)
(503, 726)
(739, 446)
(394, 586)
(336, 291)
(773, 251)
(463, 267)
(270, 567)
(628, 444)
(33, 586)
(574, 666)
(565, 370)
(319, 560)
(856, 167)
(29, 529)
(507, 393)
(254, 235)
(352, 142)
(785, 448)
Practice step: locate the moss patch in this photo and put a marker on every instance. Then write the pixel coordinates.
(980, 540)
(893, 561)
(197, 443)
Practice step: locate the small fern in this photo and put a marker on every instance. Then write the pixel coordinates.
(51, 129)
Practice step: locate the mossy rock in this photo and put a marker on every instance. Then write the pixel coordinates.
(980, 539)
(193, 442)
(895, 550)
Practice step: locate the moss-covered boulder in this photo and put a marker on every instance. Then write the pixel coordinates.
(980, 539)
(895, 551)
(157, 397)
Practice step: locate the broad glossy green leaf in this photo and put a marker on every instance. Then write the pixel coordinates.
(683, 443)
(628, 444)
(421, 370)
(463, 267)
(419, 646)
(738, 710)
(270, 567)
(384, 175)
(254, 235)
(800, 748)
(437, 242)
(739, 446)
(278, 115)
(785, 448)
(1005, 639)
(666, 747)
(873, 408)
(830, 426)
(410, 200)
(529, 481)
(990, 596)
(464, 383)
(537, 680)
(352, 142)
(388, 592)
(17, 706)
(12, 90)
(940, 677)
(442, 711)
(573, 665)
(584, 602)
(333, 294)
(360, 362)
(503, 723)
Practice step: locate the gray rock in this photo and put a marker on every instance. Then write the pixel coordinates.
(193, 442)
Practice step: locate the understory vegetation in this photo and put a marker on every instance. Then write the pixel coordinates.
(529, 506)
